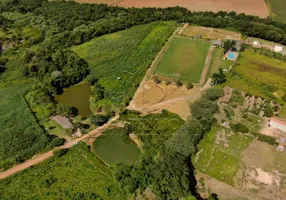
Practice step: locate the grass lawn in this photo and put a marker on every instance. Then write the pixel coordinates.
(78, 174)
(277, 9)
(217, 62)
(126, 54)
(217, 160)
(259, 75)
(115, 147)
(184, 60)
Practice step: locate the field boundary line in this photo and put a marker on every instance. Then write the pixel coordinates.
(206, 66)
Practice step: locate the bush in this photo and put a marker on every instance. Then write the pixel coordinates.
(213, 94)
(265, 138)
(284, 97)
(239, 128)
(179, 83)
(60, 152)
(190, 85)
(57, 142)
(157, 80)
(98, 120)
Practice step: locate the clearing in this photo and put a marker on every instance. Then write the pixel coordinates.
(277, 9)
(184, 59)
(211, 33)
(254, 7)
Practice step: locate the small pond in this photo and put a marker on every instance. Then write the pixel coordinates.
(115, 147)
(78, 97)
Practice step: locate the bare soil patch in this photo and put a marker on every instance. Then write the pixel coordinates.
(152, 98)
(253, 7)
(211, 33)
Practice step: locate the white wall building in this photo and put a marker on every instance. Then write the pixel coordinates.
(278, 124)
(278, 49)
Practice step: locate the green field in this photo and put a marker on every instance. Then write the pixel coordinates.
(115, 147)
(21, 137)
(120, 60)
(76, 175)
(184, 60)
(217, 62)
(259, 75)
(218, 160)
(277, 9)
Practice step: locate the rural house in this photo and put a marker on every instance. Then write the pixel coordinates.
(216, 43)
(63, 121)
(278, 124)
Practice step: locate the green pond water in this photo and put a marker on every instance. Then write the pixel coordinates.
(115, 147)
(78, 97)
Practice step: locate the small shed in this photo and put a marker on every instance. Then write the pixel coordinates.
(256, 43)
(217, 43)
(278, 49)
(63, 121)
(278, 124)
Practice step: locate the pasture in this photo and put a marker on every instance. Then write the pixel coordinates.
(115, 147)
(219, 154)
(277, 9)
(120, 60)
(269, 80)
(78, 174)
(184, 60)
(254, 7)
(211, 33)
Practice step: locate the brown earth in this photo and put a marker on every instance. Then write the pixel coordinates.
(253, 7)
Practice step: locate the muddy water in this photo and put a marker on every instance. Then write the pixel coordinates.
(78, 97)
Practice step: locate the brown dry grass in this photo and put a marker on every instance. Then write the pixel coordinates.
(211, 33)
(253, 7)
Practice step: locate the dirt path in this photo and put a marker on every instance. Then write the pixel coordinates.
(207, 65)
(44, 156)
(183, 29)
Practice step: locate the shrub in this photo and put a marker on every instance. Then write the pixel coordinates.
(157, 80)
(284, 97)
(239, 128)
(60, 152)
(179, 83)
(265, 138)
(213, 94)
(190, 85)
(57, 142)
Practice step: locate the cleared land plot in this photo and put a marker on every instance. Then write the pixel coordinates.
(211, 33)
(220, 152)
(125, 54)
(115, 147)
(184, 60)
(269, 80)
(277, 9)
(253, 7)
(78, 174)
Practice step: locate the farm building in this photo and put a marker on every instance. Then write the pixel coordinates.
(278, 124)
(63, 121)
(217, 43)
(278, 49)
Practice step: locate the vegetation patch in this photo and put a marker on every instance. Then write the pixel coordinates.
(76, 174)
(184, 60)
(220, 153)
(120, 61)
(115, 147)
(277, 9)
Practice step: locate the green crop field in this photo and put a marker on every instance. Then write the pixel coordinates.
(184, 60)
(218, 160)
(115, 147)
(277, 9)
(78, 174)
(120, 60)
(259, 75)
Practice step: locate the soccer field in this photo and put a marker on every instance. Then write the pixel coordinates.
(184, 60)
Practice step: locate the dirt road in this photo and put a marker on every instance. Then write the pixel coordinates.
(206, 66)
(44, 156)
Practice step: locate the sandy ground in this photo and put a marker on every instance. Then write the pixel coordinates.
(152, 98)
(253, 7)
(44, 156)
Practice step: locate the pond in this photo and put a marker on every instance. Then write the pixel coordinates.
(78, 97)
(115, 147)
